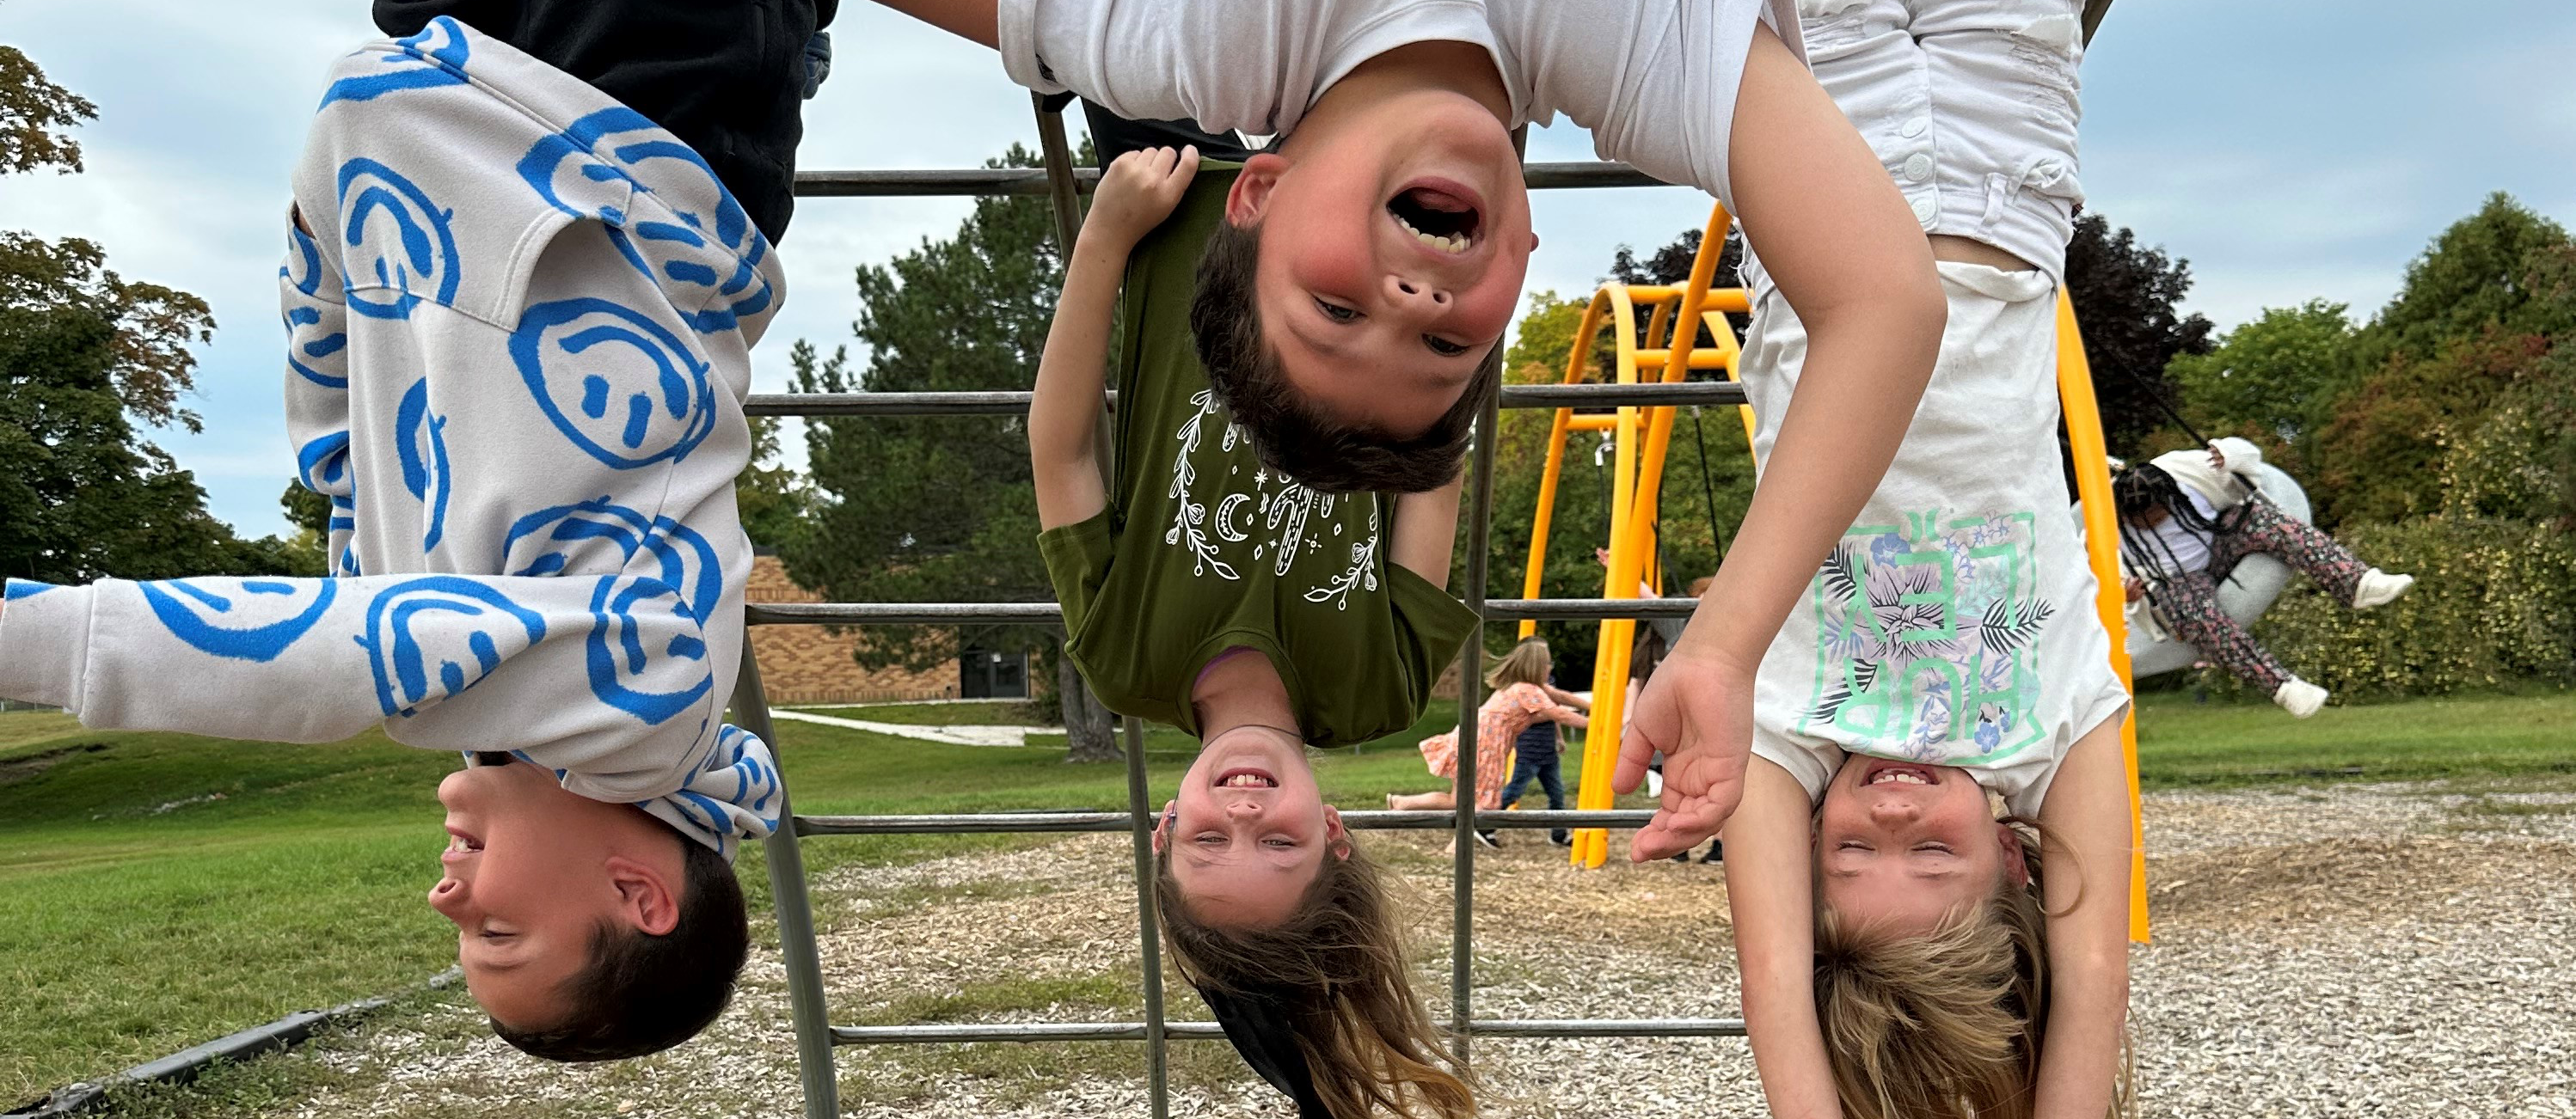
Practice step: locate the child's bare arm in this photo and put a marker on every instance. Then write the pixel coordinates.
(1771, 896)
(1137, 191)
(1848, 255)
(2087, 812)
(974, 20)
(1426, 529)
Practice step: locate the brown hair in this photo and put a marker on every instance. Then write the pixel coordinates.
(644, 993)
(1945, 1024)
(1337, 967)
(1288, 433)
(1527, 663)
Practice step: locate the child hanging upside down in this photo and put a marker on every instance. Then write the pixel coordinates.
(1204, 590)
(1945, 684)
(519, 316)
(1522, 699)
(2187, 519)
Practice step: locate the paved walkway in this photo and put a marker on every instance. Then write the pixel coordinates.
(954, 736)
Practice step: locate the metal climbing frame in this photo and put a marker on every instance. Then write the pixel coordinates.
(816, 1036)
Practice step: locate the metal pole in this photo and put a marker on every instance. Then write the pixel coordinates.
(1030, 182)
(1140, 826)
(794, 911)
(951, 1033)
(1059, 823)
(1006, 402)
(1471, 696)
(1059, 172)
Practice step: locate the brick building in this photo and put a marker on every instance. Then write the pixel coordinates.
(807, 664)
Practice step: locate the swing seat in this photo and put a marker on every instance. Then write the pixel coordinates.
(2256, 582)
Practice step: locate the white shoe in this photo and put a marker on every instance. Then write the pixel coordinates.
(2298, 697)
(2379, 588)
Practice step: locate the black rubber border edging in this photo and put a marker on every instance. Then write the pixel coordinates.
(184, 1065)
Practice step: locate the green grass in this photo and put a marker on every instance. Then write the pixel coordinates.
(972, 713)
(2182, 744)
(162, 890)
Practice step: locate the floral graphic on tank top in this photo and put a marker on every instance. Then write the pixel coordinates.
(1240, 515)
(1926, 635)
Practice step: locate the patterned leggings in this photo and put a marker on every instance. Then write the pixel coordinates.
(2190, 601)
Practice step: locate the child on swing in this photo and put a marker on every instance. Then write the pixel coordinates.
(520, 314)
(2186, 520)
(1928, 847)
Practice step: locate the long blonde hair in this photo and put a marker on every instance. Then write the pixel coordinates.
(1339, 967)
(1527, 663)
(1948, 1024)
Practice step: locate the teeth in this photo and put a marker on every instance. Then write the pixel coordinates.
(1898, 777)
(1453, 243)
(1246, 781)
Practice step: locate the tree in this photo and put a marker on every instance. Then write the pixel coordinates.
(2466, 340)
(2272, 376)
(2476, 274)
(2124, 295)
(927, 508)
(773, 501)
(83, 354)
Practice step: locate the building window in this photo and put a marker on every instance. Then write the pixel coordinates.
(985, 674)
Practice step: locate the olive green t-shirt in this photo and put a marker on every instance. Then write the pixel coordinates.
(1203, 549)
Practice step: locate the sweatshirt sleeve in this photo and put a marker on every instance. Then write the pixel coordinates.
(2242, 454)
(607, 677)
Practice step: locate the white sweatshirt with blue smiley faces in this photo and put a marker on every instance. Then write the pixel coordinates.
(519, 320)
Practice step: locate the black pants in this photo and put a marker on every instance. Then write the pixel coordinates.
(1115, 136)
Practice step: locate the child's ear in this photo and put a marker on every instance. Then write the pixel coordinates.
(2014, 866)
(1336, 836)
(1163, 825)
(649, 901)
(1250, 194)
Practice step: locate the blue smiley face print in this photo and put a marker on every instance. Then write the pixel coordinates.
(664, 209)
(250, 620)
(622, 386)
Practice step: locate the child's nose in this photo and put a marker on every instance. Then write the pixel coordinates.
(1418, 294)
(1894, 811)
(448, 897)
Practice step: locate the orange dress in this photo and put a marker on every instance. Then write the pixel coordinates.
(1498, 723)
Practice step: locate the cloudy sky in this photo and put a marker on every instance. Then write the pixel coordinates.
(2290, 149)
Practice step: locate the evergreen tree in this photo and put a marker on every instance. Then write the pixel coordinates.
(938, 509)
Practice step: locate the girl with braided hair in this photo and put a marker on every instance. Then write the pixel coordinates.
(2186, 519)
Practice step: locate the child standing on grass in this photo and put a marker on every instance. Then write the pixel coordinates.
(1945, 679)
(520, 315)
(2188, 518)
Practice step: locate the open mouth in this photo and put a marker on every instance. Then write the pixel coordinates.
(1438, 213)
(460, 843)
(1246, 778)
(1899, 773)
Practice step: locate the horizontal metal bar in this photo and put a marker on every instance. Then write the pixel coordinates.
(1001, 823)
(1011, 403)
(1586, 609)
(1032, 181)
(1210, 1031)
(1048, 614)
(904, 613)
(1714, 393)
